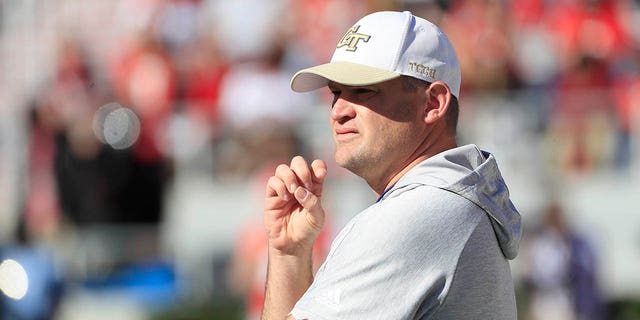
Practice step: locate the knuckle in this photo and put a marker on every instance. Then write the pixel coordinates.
(298, 161)
(282, 168)
(275, 184)
(299, 166)
(273, 181)
(284, 172)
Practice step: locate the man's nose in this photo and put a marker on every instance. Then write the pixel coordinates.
(342, 110)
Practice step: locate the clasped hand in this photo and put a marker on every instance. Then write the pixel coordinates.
(293, 214)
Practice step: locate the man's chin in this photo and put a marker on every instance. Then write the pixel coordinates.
(341, 159)
(348, 162)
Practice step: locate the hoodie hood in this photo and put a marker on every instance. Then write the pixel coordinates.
(474, 175)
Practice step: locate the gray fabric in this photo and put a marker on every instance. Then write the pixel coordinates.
(434, 247)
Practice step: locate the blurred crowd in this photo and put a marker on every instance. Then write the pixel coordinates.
(119, 102)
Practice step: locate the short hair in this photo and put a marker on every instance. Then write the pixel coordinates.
(413, 84)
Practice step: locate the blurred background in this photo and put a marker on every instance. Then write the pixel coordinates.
(136, 137)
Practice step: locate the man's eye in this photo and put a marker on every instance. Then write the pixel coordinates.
(362, 91)
(336, 94)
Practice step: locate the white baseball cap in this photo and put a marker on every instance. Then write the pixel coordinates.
(383, 46)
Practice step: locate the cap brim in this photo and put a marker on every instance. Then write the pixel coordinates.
(346, 73)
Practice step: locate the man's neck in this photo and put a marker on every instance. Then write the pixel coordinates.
(436, 148)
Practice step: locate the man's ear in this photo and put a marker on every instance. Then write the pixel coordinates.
(438, 99)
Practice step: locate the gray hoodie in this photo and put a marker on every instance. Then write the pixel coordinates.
(473, 174)
(434, 246)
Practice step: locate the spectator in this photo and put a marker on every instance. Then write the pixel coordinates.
(144, 79)
(562, 271)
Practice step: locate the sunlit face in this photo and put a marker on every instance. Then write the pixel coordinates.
(376, 128)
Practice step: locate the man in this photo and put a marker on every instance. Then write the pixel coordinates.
(435, 245)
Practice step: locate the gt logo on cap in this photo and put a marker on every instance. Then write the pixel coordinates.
(351, 38)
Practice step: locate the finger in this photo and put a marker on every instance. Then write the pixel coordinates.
(303, 172)
(276, 187)
(319, 171)
(311, 203)
(288, 177)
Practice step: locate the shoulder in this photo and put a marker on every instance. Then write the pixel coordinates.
(420, 205)
(424, 218)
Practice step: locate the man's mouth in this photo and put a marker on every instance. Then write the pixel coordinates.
(345, 133)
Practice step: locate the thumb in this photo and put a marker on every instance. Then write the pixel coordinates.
(306, 198)
(311, 203)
